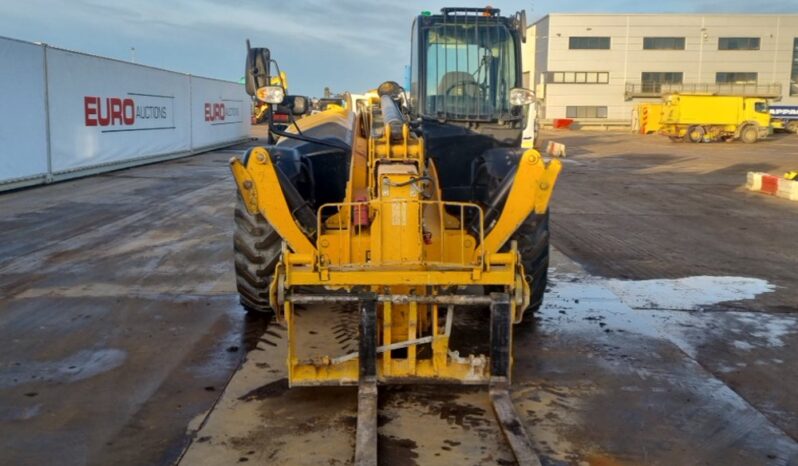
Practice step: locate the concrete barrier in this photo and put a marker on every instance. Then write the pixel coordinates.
(773, 185)
(788, 189)
(555, 149)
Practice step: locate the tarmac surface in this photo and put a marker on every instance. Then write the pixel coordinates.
(666, 336)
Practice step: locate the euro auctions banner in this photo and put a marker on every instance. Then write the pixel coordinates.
(23, 134)
(105, 111)
(220, 112)
(102, 114)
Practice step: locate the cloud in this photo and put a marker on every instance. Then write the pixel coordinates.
(345, 44)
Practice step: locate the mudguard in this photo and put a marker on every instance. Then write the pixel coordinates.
(499, 161)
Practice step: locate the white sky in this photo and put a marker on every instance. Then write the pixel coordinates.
(345, 44)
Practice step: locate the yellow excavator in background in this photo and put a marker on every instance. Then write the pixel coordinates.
(410, 207)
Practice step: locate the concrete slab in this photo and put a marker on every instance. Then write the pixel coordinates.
(118, 318)
(119, 324)
(598, 379)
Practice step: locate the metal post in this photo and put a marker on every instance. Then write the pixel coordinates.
(48, 177)
(190, 116)
(500, 336)
(368, 338)
(510, 422)
(366, 439)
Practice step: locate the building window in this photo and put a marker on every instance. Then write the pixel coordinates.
(653, 81)
(794, 77)
(663, 43)
(738, 43)
(589, 43)
(578, 77)
(585, 111)
(735, 78)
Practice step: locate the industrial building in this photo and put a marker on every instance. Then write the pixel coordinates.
(596, 68)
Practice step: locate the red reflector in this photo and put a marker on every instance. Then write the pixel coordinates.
(280, 117)
(360, 212)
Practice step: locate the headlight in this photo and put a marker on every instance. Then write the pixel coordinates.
(271, 94)
(521, 96)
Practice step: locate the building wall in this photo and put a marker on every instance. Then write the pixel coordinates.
(626, 59)
(528, 56)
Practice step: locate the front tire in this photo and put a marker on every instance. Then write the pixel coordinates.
(532, 239)
(695, 134)
(533, 244)
(749, 134)
(257, 249)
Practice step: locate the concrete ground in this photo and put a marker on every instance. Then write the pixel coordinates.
(666, 337)
(118, 319)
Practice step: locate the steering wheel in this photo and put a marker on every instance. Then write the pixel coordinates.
(463, 84)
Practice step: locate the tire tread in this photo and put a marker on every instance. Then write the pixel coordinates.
(257, 248)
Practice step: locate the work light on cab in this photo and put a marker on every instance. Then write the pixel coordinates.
(271, 94)
(521, 96)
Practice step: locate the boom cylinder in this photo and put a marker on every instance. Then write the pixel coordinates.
(392, 116)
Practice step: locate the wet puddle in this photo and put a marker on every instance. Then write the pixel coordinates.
(78, 366)
(673, 310)
(599, 344)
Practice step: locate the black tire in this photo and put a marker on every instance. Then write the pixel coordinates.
(532, 239)
(792, 127)
(749, 134)
(257, 249)
(695, 134)
(533, 244)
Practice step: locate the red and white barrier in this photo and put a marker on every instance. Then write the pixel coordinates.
(555, 149)
(773, 185)
(788, 189)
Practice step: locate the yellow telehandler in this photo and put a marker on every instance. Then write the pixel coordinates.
(413, 206)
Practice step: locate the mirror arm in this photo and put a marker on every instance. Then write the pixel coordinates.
(312, 140)
(279, 73)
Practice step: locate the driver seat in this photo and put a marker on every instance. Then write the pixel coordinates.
(467, 84)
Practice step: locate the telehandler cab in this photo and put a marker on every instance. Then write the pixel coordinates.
(408, 207)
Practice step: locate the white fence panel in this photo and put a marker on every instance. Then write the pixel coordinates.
(220, 112)
(105, 111)
(23, 131)
(67, 114)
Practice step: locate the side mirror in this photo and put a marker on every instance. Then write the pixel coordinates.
(257, 73)
(294, 104)
(520, 24)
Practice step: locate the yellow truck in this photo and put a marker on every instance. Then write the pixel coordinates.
(704, 118)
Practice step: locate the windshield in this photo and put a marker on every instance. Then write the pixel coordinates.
(470, 69)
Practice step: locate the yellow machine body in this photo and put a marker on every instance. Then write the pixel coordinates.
(394, 238)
